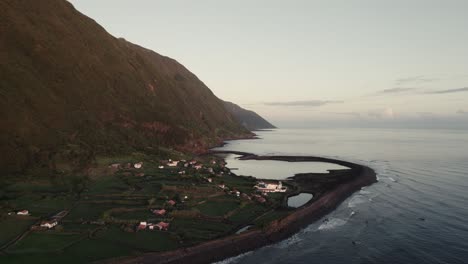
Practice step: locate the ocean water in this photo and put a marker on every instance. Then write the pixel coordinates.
(416, 213)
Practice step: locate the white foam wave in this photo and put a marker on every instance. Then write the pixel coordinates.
(290, 241)
(356, 200)
(234, 260)
(364, 192)
(332, 224)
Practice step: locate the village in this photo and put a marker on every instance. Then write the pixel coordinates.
(179, 201)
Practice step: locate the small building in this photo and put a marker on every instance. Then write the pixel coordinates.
(49, 224)
(161, 167)
(209, 180)
(193, 162)
(171, 202)
(181, 172)
(142, 226)
(222, 186)
(138, 165)
(23, 212)
(245, 196)
(237, 193)
(115, 166)
(270, 187)
(141, 174)
(173, 163)
(198, 167)
(162, 226)
(160, 212)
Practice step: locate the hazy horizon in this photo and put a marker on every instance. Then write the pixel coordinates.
(313, 63)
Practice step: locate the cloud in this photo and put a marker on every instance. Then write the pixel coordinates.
(414, 79)
(311, 103)
(396, 90)
(386, 113)
(355, 114)
(457, 90)
(429, 115)
(462, 112)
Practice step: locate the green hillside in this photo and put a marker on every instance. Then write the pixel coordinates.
(70, 90)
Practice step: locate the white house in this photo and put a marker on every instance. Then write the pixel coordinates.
(270, 187)
(173, 163)
(138, 165)
(142, 226)
(49, 224)
(23, 212)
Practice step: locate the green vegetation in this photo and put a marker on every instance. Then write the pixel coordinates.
(60, 110)
(218, 207)
(102, 216)
(142, 241)
(44, 242)
(13, 226)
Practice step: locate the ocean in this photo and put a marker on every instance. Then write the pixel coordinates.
(417, 212)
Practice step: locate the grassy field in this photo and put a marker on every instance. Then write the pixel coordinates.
(42, 242)
(103, 215)
(13, 226)
(247, 213)
(140, 241)
(218, 207)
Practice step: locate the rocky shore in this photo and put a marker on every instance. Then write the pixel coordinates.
(328, 199)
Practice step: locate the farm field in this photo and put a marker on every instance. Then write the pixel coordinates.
(111, 212)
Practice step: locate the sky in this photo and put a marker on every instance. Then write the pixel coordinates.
(377, 63)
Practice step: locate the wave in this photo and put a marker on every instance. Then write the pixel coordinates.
(289, 242)
(356, 200)
(233, 260)
(332, 224)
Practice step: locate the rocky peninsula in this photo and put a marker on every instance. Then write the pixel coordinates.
(329, 189)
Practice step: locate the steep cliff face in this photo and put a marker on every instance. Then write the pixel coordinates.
(66, 85)
(249, 119)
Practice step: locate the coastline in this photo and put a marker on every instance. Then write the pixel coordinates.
(236, 244)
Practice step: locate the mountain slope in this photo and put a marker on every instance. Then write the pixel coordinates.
(68, 87)
(249, 119)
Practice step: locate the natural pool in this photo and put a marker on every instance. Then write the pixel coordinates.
(299, 200)
(273, 169)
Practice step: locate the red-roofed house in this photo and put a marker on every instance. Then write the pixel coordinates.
(162, 226)
(171, 202)
(142, 226)
(160, 212)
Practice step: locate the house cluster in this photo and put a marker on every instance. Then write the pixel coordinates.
(161, 226)
(186, 164)
(270, 187)
(137, 165)
(251, 197)
(194, 165)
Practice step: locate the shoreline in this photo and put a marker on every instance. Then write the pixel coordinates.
(276, 231)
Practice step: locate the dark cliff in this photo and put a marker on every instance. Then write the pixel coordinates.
(70, 89)
(249, 119)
